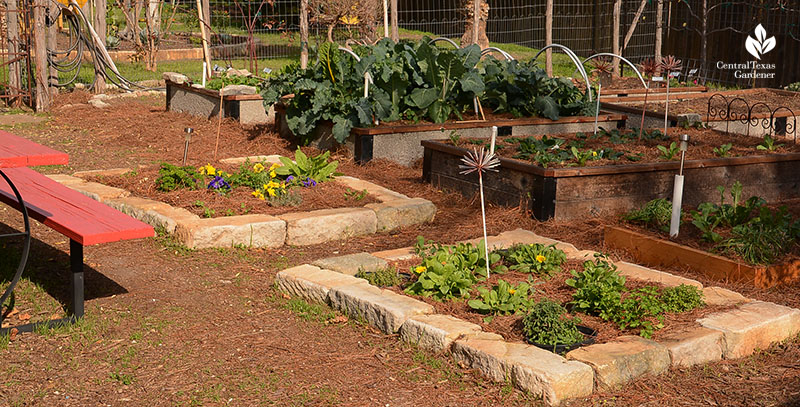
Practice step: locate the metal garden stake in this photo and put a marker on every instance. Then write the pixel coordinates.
(480, 161)
(677, 191)
(188, 132)
(597, 111)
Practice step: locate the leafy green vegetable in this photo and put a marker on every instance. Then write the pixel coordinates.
(598, 289)
(503, 299)
(535, 258)
(317, 168)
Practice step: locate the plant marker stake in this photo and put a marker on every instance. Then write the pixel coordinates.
(666, 109)
(677, 191)
(597, 111)
(480, 161)
(494, 139)
(188, 136)
(204, 74)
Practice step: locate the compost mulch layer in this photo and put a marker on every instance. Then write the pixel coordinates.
(754, 98)
(167, 326)
(556, 289)
(702, 143)
(238, 201)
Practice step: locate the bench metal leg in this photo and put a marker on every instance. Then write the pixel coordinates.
(76, 308)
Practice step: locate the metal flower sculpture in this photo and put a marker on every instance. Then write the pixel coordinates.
(479, 161)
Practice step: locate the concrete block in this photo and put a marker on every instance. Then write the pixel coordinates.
(627, 358)
(313, 283)
(399, 213)
(403, 253)
(641, 273)
(383, 309)
(723, 297)
(754, 325)
(246, 230)
(308, 228)
(693, 346)
(350, 264)
(435, 332)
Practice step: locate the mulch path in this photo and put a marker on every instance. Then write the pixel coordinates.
(205, 327)
(239, 201)
(702, 143)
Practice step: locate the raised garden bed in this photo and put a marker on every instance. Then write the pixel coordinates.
(241, 102)
(752, 112)
(617, 186)
(245, 220)
(400, 142)
(731, 239)
(740, 327)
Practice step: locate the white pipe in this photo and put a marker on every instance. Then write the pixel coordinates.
(385, 19)
(204, 74)
(597, 113)
(677, 198)
(666, 107)
(483, 215)
(494, 140)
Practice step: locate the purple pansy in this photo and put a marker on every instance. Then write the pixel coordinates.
(218, 183)
(309, 182)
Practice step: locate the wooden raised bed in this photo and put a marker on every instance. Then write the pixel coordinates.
(640, 92)
(580, 192)
(401, 143)
(783, 122)
(656, 252)
(248, 109)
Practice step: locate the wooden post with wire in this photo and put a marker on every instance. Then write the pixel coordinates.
(615, 46)
(204, 33)
(40, 52)
(13, 42)
(100, 29)
(548, 38)
(395, 21)
(303, 34)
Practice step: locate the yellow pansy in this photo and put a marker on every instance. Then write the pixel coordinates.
(594, 153)
(273, 174)
(274, 166)
(208, 170)
(259, 195)
(271, 192)
(540, 258)
(271, 185)
(420, 269)
(258, 168)
(511, 291)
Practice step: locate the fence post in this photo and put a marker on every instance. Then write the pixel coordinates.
(303, 34)
(40, 51)
(12, 25)
(395, 22)
(204, 33)
(615, 36)
(548, 38)
(659, 29)
(100, 29)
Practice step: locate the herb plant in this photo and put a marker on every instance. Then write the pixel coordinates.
(503, 299)
(382, 277)
(681, 298)
(547, 323)
(668, 153)
(598, 289)
(172, 177)
(535, 258)
(657, 213)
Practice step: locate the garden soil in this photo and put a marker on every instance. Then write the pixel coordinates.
(168, 326)
(756, 99)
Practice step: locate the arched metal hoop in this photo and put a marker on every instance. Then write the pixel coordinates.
(575, 60)
(621, 58)
(732, 116)
(765, 122)
(26, 245)
(489, 50)
(445, 39)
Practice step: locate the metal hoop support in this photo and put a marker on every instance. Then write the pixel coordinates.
(766, 122)
(489, 50)
(445, 39)
(730, 116)
(26, 245)
(575, 60)
(621, 58)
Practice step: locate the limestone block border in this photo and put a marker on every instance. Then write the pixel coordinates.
(751, 325)
(393, 211)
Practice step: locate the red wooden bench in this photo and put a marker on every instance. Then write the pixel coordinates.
(83, 220)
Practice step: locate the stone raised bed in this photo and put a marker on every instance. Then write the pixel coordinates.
(240, 102)
(575, 193)
(401, 143)
(783, 123)
(663, 253)
(394, 211)
(739, 332)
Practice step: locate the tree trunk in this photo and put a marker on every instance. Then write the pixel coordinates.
(40, 51)
(469, 33)
(615, 36)
(548, 38)
(52, 74)
(14, 71)
(100, 29)
(635, 22)
(304, 34)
